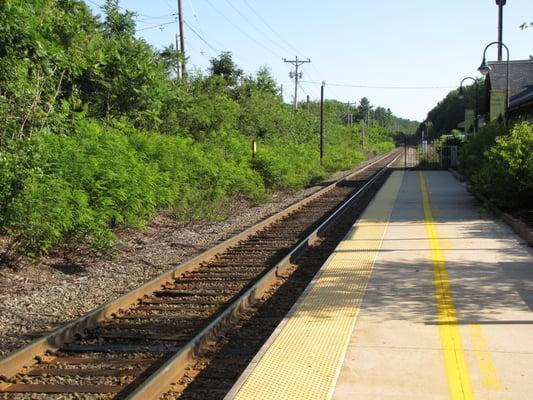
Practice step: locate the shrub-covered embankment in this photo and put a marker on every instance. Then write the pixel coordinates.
(499, 163)
(97, 131)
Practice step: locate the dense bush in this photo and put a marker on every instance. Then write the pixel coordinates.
(57, 188)
(505, 171)
(97, 132)
(474, 151)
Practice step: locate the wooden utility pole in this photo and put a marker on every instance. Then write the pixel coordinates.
(182, 40)
(322, 121)
(178, 65)
(349, 114)
(296, 75)
(363, 133)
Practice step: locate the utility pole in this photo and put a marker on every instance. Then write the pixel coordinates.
(349, 114)
(500, 4)
(363, 133)
(322, 121)
(178, 66)
(182, 40)
(296, 75)
(366, 125)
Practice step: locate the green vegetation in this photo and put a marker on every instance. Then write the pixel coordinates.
(497, 161)
(96, 131)
(450, 111)
(500, 164)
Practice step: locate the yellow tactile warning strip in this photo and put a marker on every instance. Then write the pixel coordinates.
(304, 360)
(459, 381)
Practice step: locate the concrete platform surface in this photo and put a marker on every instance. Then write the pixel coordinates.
(442, 310)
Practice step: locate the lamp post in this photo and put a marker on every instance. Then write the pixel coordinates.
(500, 4)
(484, 68)
(462, 94)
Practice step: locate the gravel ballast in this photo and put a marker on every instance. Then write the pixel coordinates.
(48, 293)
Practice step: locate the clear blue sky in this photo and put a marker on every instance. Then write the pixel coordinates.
(410, 43)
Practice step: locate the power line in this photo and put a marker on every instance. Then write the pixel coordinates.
(146, 22)
(169, 16)
(157, 26)
(242, 31)
(301, 87)
(271, 29)
(200, 37)
(382, 87)
(244, 17)
(196, 17)
(201, 33)
(287, 45)
(169, 6)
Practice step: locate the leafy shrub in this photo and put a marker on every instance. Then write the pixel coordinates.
(474, 151)
(287, 166)
(70, 187)
(97, 132)
(506, 173)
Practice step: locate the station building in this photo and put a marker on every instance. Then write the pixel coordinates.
(520, 89)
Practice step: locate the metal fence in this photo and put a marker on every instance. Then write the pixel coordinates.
(430, 155)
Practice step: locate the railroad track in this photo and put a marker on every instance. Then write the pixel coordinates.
(141, 343)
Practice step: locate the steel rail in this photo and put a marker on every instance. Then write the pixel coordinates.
(173, 369)
(30, 354)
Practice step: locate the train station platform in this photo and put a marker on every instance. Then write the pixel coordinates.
(427, 297)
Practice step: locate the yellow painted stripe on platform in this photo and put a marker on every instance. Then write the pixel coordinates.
(459, 380)
(304, 360)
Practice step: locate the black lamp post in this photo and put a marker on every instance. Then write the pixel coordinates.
(484, 68)
(462, 95)
(500, 4)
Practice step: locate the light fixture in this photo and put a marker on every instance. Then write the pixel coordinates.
(484, 68)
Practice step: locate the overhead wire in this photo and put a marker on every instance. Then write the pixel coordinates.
(262, 33)
(242, 31)
(146, 22)
(288, 46)
(169, 6)
(201, 34)
(160, 26)
(381, 87)
(258, 15)
(303, 90)
(154, 23)
(200, 37)
(169, 16)
(191, 6)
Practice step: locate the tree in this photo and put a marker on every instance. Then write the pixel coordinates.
(364, 109)
(117, 23)
(450, 111)
(225, 67)
(264, 81)
(172, 60)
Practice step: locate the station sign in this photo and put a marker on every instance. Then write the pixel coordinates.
(497, 104)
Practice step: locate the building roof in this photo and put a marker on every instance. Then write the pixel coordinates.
(520, 80)
(522, 99)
